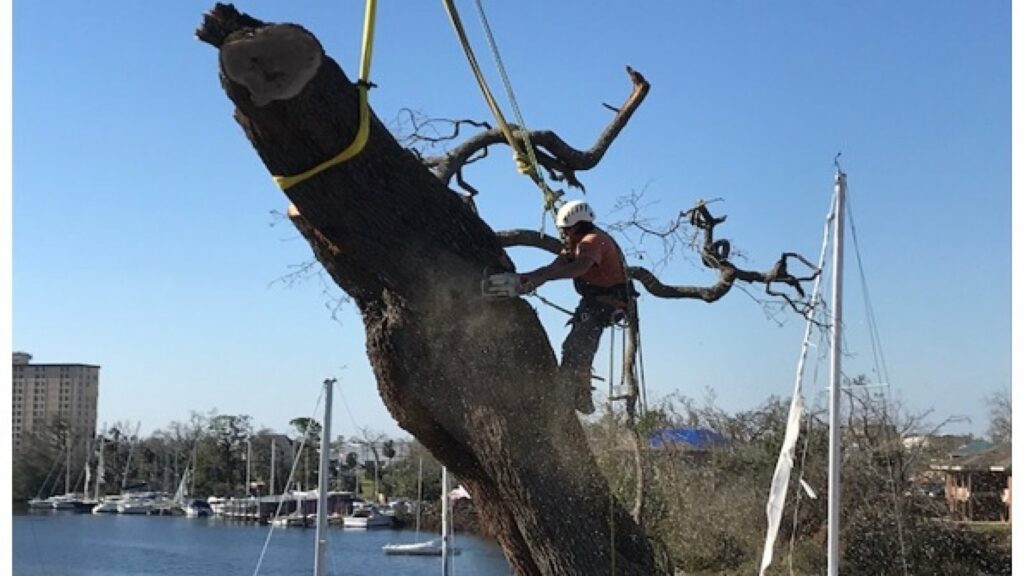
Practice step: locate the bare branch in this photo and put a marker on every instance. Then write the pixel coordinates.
(426, 132)
(714, 254)
(530, 238)
(558, 158)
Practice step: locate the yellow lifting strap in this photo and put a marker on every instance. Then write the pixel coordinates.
(362, 87)
(526, 161)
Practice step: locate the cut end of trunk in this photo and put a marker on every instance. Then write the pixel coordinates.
(273, 63)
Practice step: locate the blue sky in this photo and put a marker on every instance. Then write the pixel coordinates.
(144, 241)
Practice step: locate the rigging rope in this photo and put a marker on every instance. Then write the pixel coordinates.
(287, 485)
(524, 156)
(640, 363)
(882, 371)
(534, 294)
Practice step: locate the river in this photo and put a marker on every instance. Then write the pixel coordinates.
(60, 543)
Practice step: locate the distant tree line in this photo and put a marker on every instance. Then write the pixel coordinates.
(222, 452)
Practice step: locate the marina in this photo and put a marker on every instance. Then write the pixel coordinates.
(118, 545)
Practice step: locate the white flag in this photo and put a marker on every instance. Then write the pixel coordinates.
(780, 480)
(784, 465)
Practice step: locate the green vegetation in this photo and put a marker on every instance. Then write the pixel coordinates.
(705, 506)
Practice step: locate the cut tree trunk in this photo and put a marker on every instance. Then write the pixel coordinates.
(474, 380)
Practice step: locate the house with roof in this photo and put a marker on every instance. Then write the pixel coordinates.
(978, 478)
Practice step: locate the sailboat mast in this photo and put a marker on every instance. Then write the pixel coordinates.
(445, 538)
(88, 472)
(835, 379)
(128, 462)
(325, 460)
(100, 468)
(248, 466)
(195, 464)
(419, 498)
(273, 464)
(67, 466)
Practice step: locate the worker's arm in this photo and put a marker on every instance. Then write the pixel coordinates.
(561, 268)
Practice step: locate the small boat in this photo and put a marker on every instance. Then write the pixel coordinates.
(435, 547)
(107, 505)
(428, 548)
(293, 519)
(368, 517)
(135, 505)
(40, 504)
(216, 504)
(162, 505)
(65, 502)
(197, 508)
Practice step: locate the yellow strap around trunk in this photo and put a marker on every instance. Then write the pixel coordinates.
(362, 87)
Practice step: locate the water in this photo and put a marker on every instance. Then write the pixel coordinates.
(59, 544)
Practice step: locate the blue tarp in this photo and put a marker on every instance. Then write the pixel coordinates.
(695, 438)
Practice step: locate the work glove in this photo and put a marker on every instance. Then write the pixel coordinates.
(504, 285)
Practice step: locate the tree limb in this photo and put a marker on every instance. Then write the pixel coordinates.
(560, 159)
(714, 254)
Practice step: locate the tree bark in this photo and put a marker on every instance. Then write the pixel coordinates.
(472, 379)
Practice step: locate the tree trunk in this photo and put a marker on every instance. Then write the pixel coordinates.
(472, 379)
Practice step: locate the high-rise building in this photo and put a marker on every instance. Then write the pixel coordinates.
(49, 393)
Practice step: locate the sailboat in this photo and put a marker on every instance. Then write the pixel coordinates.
(181, 502)
(436, 546)
(780, 481)
(39, 502)
(73, 500)
(320, 548)
(320, 543)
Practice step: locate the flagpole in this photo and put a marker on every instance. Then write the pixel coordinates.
(445, 556)
(835, 380)
(319, 565)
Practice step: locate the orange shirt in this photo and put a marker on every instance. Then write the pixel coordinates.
(601, 248)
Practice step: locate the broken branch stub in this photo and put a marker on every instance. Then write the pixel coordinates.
(258, 62)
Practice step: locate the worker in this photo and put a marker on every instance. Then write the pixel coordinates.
(594, 262)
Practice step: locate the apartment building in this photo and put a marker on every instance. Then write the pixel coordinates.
(47, 393)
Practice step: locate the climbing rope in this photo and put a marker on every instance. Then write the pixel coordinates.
(362, 88)
(524, 156)
(550, 303)
(642, 377)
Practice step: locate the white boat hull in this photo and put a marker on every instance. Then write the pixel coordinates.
(294, 520)
(428, 548)
(134, 508)
(193, 512)
(377, 521)
(40, 504)
(105, 508)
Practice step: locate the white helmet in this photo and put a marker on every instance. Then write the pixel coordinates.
(574, 212)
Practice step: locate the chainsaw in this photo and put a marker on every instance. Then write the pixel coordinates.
(504, 285)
